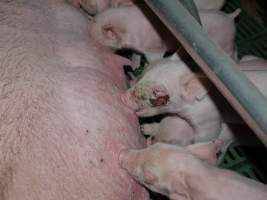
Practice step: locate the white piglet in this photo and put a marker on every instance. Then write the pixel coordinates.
(221, 28)
(187, 173)
(169, 86)
(129, 27)
(171, 130)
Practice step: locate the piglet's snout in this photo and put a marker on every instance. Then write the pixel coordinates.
(128, 160)
(123, 158)
(126, 100)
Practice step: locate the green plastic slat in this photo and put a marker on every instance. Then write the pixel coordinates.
(251, 172)
(251, 35)
(237, 160)
(233, 158)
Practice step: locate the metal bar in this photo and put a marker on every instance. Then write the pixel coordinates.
(191, 7)
(223, 72)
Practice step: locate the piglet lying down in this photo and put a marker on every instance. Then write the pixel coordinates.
(187, 173)
(140, 30)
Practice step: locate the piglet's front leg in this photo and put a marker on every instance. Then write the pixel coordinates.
(152, 111)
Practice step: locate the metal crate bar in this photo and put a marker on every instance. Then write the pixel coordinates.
(191, 7)
(222, 71)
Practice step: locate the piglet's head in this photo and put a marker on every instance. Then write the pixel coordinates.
(145, 95)
(164, 168)
(156, 168)
(106, 32)
(144, 166)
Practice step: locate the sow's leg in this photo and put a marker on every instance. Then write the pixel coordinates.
(62, 124)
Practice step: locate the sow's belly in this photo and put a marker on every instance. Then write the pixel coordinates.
(62, 124)
(76, 154)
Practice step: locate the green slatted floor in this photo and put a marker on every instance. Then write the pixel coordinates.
(238, 160)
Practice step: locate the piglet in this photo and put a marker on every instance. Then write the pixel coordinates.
(169, 86)
(175, 130)
(129, 27)
(185, 173)
(221, 28)
(171, 130)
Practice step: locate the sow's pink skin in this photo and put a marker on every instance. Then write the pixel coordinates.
(185, 173)
(95, 6)
(62, 126)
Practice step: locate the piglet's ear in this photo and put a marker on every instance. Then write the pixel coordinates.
(112, 33)
(193, 87)
(206, 151)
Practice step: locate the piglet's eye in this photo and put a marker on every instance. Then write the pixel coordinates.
(160, 101)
